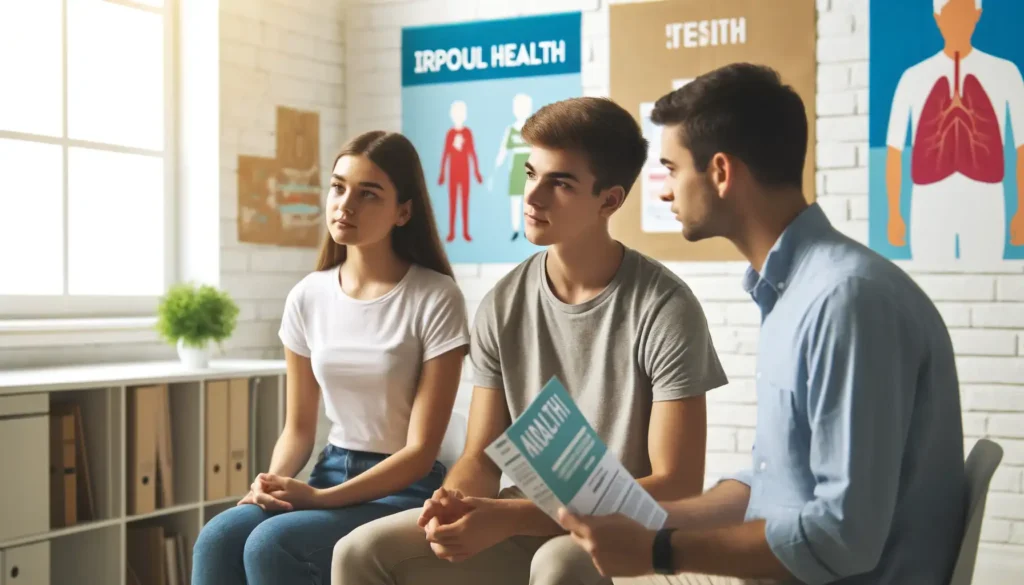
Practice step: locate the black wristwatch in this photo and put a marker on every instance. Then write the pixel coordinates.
(662, 552)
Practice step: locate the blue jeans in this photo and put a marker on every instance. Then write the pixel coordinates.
(247, 545)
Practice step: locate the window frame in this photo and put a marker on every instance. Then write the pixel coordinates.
(15, 308)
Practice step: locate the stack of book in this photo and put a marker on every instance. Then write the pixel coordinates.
(71, 499)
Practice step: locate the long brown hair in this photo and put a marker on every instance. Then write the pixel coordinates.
(417, 241)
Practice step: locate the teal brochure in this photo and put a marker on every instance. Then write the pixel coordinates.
(554, 456)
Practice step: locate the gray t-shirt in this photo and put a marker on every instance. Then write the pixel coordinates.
(643, 339)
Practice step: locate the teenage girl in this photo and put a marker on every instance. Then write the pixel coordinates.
(380, 331)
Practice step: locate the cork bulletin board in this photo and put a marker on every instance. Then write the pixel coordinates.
(279, 199)
(657, 47)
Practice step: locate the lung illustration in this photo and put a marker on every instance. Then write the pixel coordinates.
(958, 132)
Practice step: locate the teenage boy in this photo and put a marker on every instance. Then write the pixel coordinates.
(627, 338)
(858, 459)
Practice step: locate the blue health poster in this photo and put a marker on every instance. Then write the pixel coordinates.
(467, 89)
(946, 132)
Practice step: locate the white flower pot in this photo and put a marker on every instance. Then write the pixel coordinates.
(196, 358)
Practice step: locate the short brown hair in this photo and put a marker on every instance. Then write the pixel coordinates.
(745, 110)
(599, 128)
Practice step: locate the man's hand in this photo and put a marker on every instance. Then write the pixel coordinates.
(444, 507)
(618, 545)
(286, 493)
(485, 523)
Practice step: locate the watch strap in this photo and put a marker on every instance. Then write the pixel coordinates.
(662, 552)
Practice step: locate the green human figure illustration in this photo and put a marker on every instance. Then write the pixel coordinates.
(512, 143)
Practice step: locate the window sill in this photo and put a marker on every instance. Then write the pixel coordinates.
(24, 333)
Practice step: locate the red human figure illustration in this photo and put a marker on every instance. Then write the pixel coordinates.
(458, 153)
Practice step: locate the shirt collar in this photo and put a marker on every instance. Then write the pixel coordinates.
(783, 256)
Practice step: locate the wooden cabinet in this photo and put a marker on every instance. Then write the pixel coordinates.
(112, 451)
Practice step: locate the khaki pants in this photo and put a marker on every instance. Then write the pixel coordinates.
(686, 579)
(394, 551)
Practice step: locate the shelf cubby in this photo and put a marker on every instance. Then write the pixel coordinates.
(96, 413)
(147, 548)
(185, 441)
(88, 556)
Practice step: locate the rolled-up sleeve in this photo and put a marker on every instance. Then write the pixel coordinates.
(861, 378)
(744, 476)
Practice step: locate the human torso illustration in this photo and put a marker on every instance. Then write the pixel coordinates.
(459, 152)
(955, 104)
(458, 144)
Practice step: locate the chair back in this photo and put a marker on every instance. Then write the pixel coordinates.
(981, 465)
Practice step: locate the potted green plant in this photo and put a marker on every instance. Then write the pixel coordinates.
(191, 316)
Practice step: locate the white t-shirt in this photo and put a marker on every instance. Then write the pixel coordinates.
(367, 355)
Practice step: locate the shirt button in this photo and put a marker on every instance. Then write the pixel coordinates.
(759, 375)
(782, 284)
(763, 466)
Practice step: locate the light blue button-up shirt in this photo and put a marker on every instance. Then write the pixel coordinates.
(858, 460)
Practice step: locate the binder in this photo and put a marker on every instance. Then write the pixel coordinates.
(217, 398)
(86, 505)
(182, 561)
(85, 510)
(164, 455)
(173, 577)
(145, 556)
(238, 437)
(63, 470)
(142, 448)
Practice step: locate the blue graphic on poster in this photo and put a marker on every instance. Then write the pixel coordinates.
(946, 160)
(467, 89)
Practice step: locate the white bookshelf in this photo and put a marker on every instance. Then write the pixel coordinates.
(32, 552)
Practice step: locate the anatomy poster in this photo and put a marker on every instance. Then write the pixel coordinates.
(658, 47)
(947, 132)
(467, 89)
(279, 199)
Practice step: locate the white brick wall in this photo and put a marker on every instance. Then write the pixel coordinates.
(272, 53)
(984, 311)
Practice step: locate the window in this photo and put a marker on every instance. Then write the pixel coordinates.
(86, 172)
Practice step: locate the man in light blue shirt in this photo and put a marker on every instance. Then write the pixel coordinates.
(858, 462)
